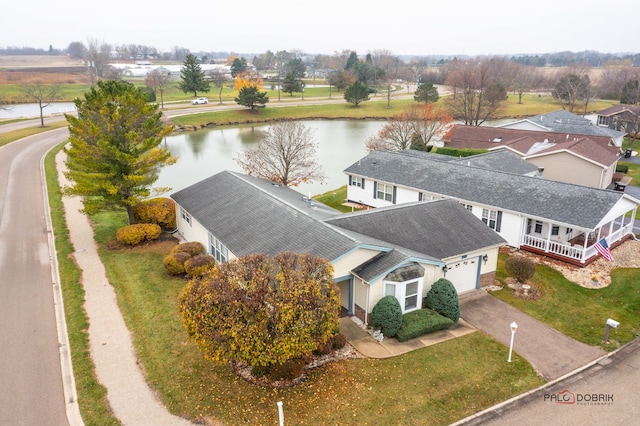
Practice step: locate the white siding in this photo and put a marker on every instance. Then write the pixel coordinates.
(345, 264)
(194, 231)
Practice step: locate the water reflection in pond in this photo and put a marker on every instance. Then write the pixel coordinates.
(209, 151)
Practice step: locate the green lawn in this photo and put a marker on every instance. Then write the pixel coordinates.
(434, 385)
(92, 396)
(581, 312)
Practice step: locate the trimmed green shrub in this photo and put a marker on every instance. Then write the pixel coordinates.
(458, 152)
(198, 265)
(521, 268)
(421, 322)
(156, 210)
(174, 262)
(138, 233)
(443, 298)
(622, 168)
(387, 315)
(193, 248)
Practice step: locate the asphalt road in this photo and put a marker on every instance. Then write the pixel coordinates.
(606, 393)
(31, 383)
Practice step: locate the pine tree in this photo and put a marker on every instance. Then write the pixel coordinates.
(251, 97)
(193, 78)
(115, 155)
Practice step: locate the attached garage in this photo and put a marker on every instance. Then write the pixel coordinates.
(464, 274)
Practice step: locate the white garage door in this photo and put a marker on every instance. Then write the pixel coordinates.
(463, 274)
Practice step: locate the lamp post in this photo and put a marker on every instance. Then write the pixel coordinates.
(514, 327)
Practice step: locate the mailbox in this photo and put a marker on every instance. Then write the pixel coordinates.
(612, 323)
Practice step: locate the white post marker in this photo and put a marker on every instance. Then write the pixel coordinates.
(514, 327)
(280, 413)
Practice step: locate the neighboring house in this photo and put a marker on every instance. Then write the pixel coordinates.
(400, 251)
(623, 118)
(565, 157)
(562, 121)
(553, 218)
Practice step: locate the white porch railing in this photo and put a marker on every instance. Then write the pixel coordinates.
(559, 248)
(577, 252)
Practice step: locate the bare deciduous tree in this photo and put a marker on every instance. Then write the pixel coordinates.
(97, 57)
(415, 128)
(286, 155)
(218, 78)
(42, 94)
(158, 81)
(478, 95)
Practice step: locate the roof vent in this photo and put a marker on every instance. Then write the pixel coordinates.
(498, 139)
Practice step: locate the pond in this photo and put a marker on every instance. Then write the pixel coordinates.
(204, 153)
(33, 110)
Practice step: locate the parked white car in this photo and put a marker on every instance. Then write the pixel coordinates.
(200, 101)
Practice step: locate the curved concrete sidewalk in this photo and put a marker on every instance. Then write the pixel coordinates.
(129, 396)
(366, 345)
(550, 352)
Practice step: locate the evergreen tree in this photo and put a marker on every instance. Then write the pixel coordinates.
(291, 84)
(297, 68)
(238, 66)
(426, 93)
(115, 155)
(193, 78)
(251, 97)
(356, 93)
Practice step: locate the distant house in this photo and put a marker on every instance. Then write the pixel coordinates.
(553, 218)
(623, 118)
(565, 157)
(562, 121)
(399, 250)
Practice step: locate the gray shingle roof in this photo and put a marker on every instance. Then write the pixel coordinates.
(379, 264)
(566, 122)
(500, 160)
(559, 202)
(442, 228)
(251, 215)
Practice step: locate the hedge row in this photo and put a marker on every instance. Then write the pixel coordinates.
(420, 322)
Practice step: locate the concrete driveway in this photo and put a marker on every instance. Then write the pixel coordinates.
(550, 352)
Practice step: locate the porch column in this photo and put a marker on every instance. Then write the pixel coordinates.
(548, 243)
(584, 245)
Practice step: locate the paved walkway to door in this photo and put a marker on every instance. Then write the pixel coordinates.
(550, 352)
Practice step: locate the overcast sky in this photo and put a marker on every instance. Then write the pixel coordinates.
(404, 27)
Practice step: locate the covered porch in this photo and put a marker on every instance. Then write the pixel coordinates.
(573, 244)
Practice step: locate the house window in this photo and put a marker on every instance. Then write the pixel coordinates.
(357, 181)
(569, 230)
(538, 228)
(467, 206)
(603, 120)
(385, 192)
(490, 217)
(185, 216)
(411, 296)
(408, 293)
(218, 250)
(528, 226)
(555, 230)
